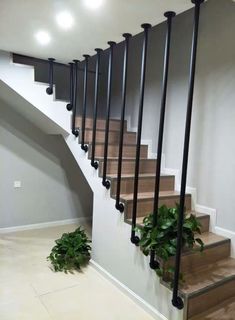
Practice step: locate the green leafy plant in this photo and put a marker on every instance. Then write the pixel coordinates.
(71, 252)
(162, 239)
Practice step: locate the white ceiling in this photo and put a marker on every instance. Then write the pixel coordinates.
(21, 19)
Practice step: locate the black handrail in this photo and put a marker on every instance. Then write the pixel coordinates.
(169, 15)
(146, 27)
(75, 92)
(83, 146)
(119, 206)
(105, 182)
(49, 90)
(176, 299)
(71, 87)
(94, 163)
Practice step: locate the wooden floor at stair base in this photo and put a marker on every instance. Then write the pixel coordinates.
(223, 311)
(208, 286)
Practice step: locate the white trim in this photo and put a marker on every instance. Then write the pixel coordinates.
(211, 212)
(137, 299)
(228, 234)
(44, 225)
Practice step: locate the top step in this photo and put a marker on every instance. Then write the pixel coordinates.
(114, 124)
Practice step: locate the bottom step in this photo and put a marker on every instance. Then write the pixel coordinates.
(223, 311)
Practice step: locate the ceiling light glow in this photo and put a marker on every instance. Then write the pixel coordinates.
(43, 37)
(93, 4)
(65, 20)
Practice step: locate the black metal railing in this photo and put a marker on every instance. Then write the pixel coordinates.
(71, 87)
(119, 206)
(94, 163)
(176, 299)
(146, 27)
(105, 182)
(169, 15)
(74, 103)
(83, 126)
(49, 90)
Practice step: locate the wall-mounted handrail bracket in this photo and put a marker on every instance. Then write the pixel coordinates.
(71, 86)
(105, 182)
(75, 132)
(176, 299)
(119, 206)
(169, 15)
(94, 163)
(134, 238)
(49, 90)
(83, 146)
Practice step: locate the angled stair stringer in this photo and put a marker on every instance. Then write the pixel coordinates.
(113, 251)
(18, 89)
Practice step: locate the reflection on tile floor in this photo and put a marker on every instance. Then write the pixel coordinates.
(29, 290)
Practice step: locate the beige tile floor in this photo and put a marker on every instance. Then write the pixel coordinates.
(29, 290)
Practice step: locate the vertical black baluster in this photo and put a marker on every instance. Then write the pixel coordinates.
(49, 90)
(75, 92)
(71, 87)
(83, 146)
(119, 206)
(176, 299)
(146, 27)
(105, 182)
(94, 163)
(169, 15)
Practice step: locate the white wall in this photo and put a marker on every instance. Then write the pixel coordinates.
(212, 148)
(53, 187)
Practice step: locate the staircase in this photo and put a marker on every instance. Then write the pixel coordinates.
(209, 288)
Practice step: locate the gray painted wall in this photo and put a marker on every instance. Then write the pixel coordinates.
(53, 187)
(212, 149)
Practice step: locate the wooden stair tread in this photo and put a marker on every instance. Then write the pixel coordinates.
(208, 276)
(210, 238)
(123, 158)
(117, 144)
(149, 195)
(141, 175)
(139, 220)
(223, 311)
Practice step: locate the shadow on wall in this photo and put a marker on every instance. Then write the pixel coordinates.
(53, 185)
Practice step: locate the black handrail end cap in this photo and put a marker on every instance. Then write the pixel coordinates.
(98, 50)
(69, 107)
(154, 264)
(170, 14)
(146, 26)
(197, 2)
(135, 240)
(127, 35)
(106, 184)
(178, 303)
(111, 43)
(95, 164)
(120, 207)
(49, 90)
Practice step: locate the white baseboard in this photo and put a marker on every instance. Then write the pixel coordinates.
(211, 212)
(228, 234)
(44, 225)
(137, 299)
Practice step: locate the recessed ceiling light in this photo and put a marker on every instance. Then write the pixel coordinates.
(93, 4)
(43, 37)
(64, 20)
